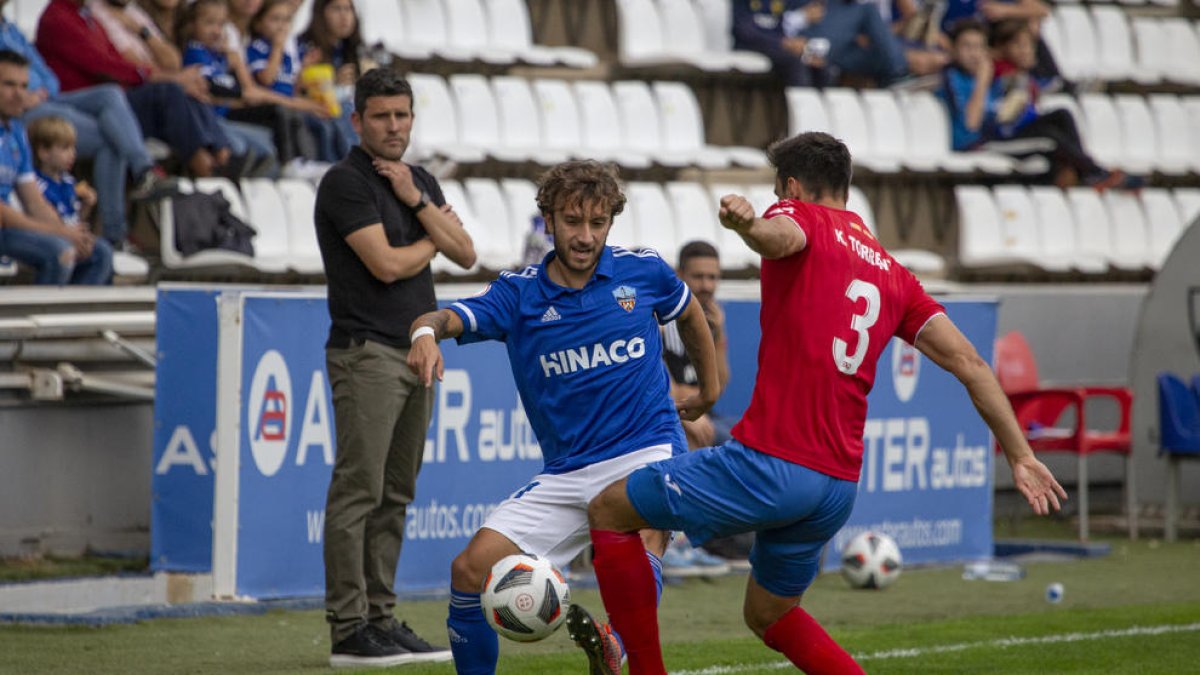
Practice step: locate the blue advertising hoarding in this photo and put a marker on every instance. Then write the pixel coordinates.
(926, 477)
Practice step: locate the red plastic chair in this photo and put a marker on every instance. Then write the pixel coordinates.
(1041, 412)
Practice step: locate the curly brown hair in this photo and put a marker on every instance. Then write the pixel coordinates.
(580, 182)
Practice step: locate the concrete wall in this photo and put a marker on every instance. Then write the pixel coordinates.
(75, 477)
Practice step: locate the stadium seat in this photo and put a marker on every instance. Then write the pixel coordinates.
(1139, 134)
(1183, 46)
(1103, 129)
(383, 22)
(8, 267)
(761, 196)
(602, 136)
(1153, 50)
(26, 14)
(520, 121)
(695, 213)
(1179, 430)
(686, 40)
(488, 199)
(655, 221)
(1162, 223)
(888, 135)
(435, 122)
(806, 111)
(510, 30)
(521, 196)
(1051, 33)
(560, 116)
(640, 35)
(1058, 233)
(736, 255)
(127, 265)
(983, 239)
(643, 128)
(1092, 224)
(208, 258)
(717, 16)
(928, 128)
(427, 28)
(1041, 410)
(683, 129)
(488, 251)
(1178, 148)
(268, 217)
(1020, 226)
(300, 199)
(850, 126)
(1191, 107)
(466, 28)
(1128, 227)
(478, 119)
(226, 188)
(1115, 60)
(1081, 57)
(1187, 200)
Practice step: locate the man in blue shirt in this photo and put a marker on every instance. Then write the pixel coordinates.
(582, 332)
(35, 235)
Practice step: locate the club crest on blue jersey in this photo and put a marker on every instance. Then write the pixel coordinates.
(626, 297)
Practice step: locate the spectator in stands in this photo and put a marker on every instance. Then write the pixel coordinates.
(52, 140)
(993, 107)
(333, 38)
(35, 234)
(237, 30)
(271, 58)
(238, 97)
(164, 14)
(109, 133)
(125, 24)
(169, 106)
(993, 11)
(802, 35)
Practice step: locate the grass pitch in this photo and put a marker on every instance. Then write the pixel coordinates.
(1134, 611)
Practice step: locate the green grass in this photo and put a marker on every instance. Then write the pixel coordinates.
(1143, 583)
(51, 567)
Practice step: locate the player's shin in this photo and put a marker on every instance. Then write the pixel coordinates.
(656, 568)
(475, 646)
(805, 643)
(628, 589)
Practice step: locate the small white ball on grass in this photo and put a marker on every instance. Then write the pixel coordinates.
(1054, 592)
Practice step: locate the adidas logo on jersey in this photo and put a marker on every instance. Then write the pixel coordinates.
(551, 315)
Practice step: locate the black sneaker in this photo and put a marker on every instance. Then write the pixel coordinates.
(402, 636)
(368, 647)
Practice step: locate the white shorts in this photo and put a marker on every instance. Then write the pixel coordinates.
(550, 518)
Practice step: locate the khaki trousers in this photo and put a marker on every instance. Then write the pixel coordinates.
(381, 413)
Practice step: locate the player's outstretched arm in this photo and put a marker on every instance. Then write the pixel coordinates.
(698, 341)
(946, 346)
(775, 238)
(425, 357)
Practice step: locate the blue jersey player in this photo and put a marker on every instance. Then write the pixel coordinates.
(582, 331)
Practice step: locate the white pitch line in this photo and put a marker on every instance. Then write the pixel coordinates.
(1002, 643)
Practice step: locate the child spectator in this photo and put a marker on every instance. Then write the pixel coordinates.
(52, 140)
(237, 97)
(333, 37)
(273, 64)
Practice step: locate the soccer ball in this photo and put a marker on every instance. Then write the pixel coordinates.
(525, 598)
(871, 560)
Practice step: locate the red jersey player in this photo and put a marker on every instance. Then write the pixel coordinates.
(832, 297)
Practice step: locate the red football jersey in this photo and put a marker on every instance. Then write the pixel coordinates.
(827, 313)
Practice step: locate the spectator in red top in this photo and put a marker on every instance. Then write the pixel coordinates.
(169, 106)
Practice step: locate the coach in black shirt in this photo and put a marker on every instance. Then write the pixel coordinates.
(379, 223)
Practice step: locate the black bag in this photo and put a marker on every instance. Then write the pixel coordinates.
(203, 221)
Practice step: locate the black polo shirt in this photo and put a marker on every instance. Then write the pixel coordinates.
(352, 196)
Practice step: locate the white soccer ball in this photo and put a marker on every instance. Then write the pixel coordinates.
(871, 560)
(525, 598)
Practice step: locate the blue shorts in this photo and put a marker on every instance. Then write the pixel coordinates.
(729, 489)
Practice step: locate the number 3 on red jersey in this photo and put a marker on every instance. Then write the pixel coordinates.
(860, 323)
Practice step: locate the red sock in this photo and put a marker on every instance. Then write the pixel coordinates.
(802, 640)
(629, 594)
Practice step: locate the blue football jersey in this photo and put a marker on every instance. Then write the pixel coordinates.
(587, 362)
(60, 194)
(16, 159)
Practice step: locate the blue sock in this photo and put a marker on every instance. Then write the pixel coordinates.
(476, 647)
(656, 565)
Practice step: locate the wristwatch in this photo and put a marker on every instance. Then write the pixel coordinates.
(421, 203)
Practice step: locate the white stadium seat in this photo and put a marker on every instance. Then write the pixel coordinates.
(300, 200)
(509, 30)
(520, 121)
(1113, 32)
(1127, 224)
(655, 223)
(1153, 50)
(382, 21)
(603, 137)
(1093, 226)
(928, 128)
(1183, 45)
(521, 196)
(718, 31)
(560, 116)
(491, 207)
(1078, 32)
(640, 34)
(478, 119)
(268, 217)
(1019, 226)
(686, 40)
(735, 254)
(683, 129)
(890, 139)
(1163, 224)
(695, 213)
(466, 29)
(426, 28)
(487, 246)
(850, 125)
(806, 111)
(1139, 136)
(1191, 107)
(983, 240)
(1103, 135)
(1058, 233)
(1187, 200)
(1178, 148)
(435, 121)
(205, 259)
